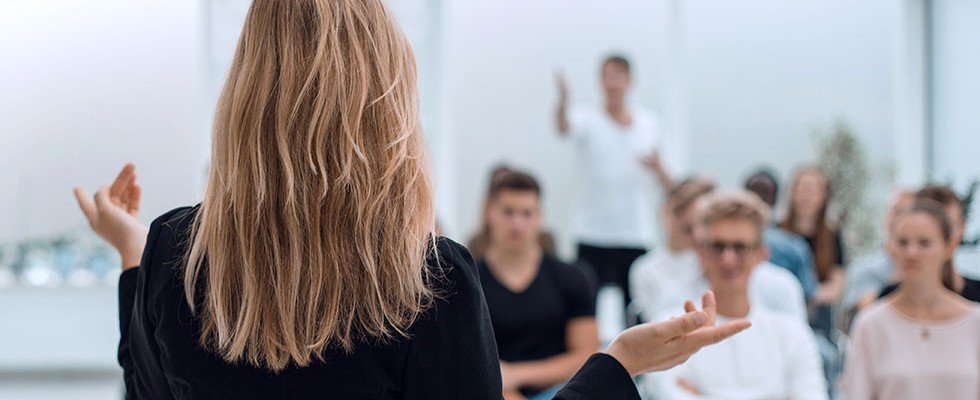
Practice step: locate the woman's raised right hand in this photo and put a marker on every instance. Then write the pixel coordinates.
(659, 346)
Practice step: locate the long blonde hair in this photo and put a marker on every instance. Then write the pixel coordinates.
(318, 214)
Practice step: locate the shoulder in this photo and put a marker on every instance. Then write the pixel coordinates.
(178, 220)
(974, 312)
(563, 272)
(788, 325)
(769, 272)
(648, 121)
(871, 316)
(452, 270)
(647, 260)
(169, 234)
(649, 264)
(784, 237)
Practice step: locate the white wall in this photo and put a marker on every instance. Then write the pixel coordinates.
(956, 89)
(87, 86)
(762, 75)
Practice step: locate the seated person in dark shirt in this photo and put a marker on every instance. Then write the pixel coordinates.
(481, 239)
(542, 310)
(947, 198)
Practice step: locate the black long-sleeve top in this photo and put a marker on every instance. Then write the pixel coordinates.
(450, 353)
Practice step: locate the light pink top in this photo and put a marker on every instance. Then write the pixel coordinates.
(895, 357)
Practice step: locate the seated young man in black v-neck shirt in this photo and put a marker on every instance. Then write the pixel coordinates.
(542, 310)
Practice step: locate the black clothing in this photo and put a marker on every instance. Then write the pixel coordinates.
(532, 324)
(450, 354)
(971, 290)
(837, 243)
(611, 265)
(822, 316)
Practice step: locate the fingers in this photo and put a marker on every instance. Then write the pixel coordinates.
(682, 325)
(102, 200)
(85, 203)
(711, 335)
(709, 306)
(122, 182)
(133, 203)
(689, 306)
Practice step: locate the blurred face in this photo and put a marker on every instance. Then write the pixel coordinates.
(514, 218)
(729, 250)
(810, 193)
(899, 202)
(918, 247)
(682, 226)
(615, 80)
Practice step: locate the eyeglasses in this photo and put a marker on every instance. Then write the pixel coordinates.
(717, 248)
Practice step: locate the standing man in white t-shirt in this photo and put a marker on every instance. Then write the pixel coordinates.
(618, 155)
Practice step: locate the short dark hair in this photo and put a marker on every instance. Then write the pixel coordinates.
(514, 180)
(617, 59)
(757, 183)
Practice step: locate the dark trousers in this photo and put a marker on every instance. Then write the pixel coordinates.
(611, 265)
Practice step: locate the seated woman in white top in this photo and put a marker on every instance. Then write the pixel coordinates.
(923, 341)
(662, 279)
(777, 358)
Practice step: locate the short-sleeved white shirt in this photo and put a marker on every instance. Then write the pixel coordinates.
(615, 193)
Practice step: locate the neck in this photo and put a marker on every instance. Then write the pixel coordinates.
(919, 296)
(675, 246)
(615, 106)
(513, 257)
(732, 304)
(805, 224)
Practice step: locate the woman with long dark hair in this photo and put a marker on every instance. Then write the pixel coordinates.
(311, 268)
(810, 195)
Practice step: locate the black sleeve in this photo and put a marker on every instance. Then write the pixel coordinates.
(454, 354)
(127, 295)
(578, 292)
(602, 377)
(138, 348)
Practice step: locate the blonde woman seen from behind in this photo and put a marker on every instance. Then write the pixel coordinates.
(311, 268)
